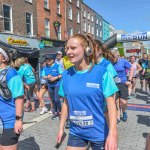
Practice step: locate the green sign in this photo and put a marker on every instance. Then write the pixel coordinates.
(47, 43)
(56, 24)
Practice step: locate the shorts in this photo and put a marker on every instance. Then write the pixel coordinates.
(9, 137)
(123, 91)
(75, 141)
(142, 77)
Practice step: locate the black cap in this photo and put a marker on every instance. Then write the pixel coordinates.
(49, 57)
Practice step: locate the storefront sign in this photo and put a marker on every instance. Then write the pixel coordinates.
(133, 50)
(47, 43)
(18, 42)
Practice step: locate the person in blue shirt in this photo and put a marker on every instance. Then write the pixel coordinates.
(11, 106)
(85, 86)
(52, 72)
(27, 74)
(101, 51)
(120, 65)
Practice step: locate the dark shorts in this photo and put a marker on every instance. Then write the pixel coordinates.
(9, 137)
(123, 91)
(142, 77)
(75, 141)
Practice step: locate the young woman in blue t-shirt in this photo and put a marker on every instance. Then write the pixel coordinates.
(85, 85)
(11, 105)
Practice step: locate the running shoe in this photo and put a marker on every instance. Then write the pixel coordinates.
(44, 110)
(124, 117)
(56, 116)
(118, 122)
(51, 111)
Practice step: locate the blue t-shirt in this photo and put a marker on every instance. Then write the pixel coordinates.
(108, 65)
(85, 93)
(54, 71)
(26, 73)
(120, 66)
(7, 107)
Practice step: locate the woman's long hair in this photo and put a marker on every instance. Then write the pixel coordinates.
(105, 52)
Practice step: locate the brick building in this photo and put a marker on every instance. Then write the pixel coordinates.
(87, 20)
(73, 17)
(18, 17)
(51, 20)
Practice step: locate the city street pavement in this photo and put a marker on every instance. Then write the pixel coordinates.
(40, 131)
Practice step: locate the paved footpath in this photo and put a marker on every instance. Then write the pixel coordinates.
(40, 131)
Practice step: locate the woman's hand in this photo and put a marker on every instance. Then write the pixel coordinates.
(18, 126)
(127, 83)
(111, 143)
(59, 136)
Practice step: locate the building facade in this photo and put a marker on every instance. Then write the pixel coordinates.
(98, 27)
(51, 19)
(87, 20)
(73, 17)
(18, 18)
(112, 30)
(106, 30)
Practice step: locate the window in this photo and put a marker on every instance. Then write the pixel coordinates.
(77, 3)
(71, 32)
(89, 28)
(7, 11)
(100, 23)
(84, 13)
(92, 29)
(96, 21)
(59, 32)
(70, 13)
(88, 16)
(30, 1)
(46, 4)
(47, 28)
(96, 32)
(78, 17)
(92, 19)
(58, 6)
(100, 33)
(29, 24)
(84, 27)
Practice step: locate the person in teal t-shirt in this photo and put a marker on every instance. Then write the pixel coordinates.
(28, 77)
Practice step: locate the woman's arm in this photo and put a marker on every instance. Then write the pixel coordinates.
(64, 116)
(131, 73)
(139, 68)
(19, 112)
(111, 141)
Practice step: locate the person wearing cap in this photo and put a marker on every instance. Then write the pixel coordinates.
(11, 105)
(52, 72)
(59, 60)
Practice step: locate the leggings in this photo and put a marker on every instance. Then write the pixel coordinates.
(55, 98)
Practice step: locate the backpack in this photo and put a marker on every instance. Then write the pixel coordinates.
(4, 90)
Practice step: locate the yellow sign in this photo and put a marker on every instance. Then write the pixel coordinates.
(18, 42)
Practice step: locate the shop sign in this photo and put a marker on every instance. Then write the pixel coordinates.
(47, 43)
(56, 23)
(133, 50)
(17, 42)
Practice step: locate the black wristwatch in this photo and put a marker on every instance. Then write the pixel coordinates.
(18, 117)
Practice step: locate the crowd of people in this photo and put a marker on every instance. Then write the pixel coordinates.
(88, 89)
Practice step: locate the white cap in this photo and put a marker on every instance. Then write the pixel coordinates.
(59, 52)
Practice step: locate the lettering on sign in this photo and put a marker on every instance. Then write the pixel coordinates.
(134, 37)
(18, 42)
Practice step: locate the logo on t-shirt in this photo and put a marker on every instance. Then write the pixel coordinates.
(92, 85)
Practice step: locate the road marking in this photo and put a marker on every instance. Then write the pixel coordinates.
(36, 120)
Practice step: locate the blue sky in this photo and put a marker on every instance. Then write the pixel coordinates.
(129, 15)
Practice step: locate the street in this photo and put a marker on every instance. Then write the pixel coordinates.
(40, 131)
